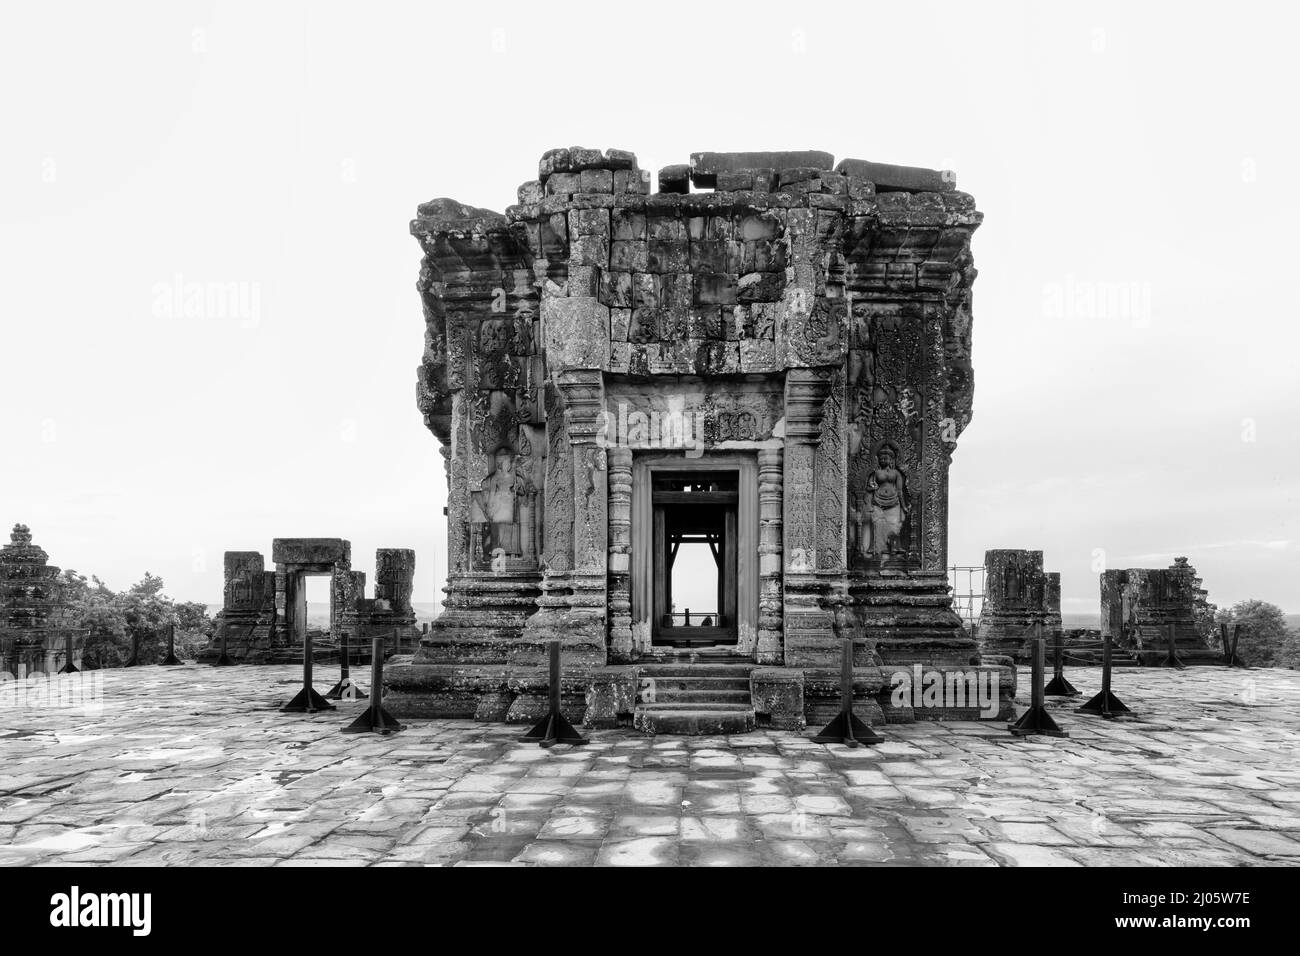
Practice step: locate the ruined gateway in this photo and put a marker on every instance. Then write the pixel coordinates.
(777, 363)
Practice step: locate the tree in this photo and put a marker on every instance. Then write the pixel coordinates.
(116, 620)
(94, 608)
(1265, 640)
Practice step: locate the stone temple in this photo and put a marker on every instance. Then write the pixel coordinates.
(769, 355)
(35, 618)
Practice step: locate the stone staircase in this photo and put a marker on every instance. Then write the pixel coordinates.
(694, 696)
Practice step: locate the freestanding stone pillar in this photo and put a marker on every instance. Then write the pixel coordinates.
(1018, 596)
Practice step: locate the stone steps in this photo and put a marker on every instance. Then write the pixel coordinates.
(697, 698)
(693, 722)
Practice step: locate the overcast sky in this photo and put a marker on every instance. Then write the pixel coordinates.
(1137, 322)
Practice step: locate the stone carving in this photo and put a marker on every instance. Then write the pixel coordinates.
(495, 509)
(888, 502)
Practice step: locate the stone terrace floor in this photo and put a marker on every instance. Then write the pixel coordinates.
(194, 765)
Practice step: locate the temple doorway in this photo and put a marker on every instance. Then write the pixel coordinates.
(694, 537)
(695, 551)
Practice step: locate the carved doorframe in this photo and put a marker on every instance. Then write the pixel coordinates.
(745, 464)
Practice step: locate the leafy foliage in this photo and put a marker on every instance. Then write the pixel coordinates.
(1265, 639)
(117, 620)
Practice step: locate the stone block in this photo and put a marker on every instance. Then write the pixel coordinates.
(629, 256)
(616, 289)
(312, 551)
(596, 181)
(589, 251)
(588, 222)
(714, 290)
(562, 184)
(620, 320)
(576, 332)
(645, 291)
(706, 166)
(627, 225)
(668, 255)
(633, 181)
(760, 287)
(905, 178)
(675, 179)
(531, 193)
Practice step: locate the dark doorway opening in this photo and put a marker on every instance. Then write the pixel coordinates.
(694, 526)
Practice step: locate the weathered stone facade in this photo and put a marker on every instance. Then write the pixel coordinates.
(1018, 597)
(803, 329)
(264, 613)
(34, 616)
(1144, 602)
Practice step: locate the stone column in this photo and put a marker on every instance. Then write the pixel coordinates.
(809, 619)
(584, 406)
(770, 484)
(620, 553)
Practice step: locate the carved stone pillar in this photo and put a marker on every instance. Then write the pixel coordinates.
(573, 603)
(620, 553)
(770, 484)
(584, 407)
(808, 602)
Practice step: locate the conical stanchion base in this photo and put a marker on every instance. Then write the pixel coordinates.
(68, 668)
(848, 729)
(1036, 720)
(376, 720)
(1058, 686)
(1104, 704)
(307, 701)
(171, 660)
(554, 729)
(223, 661)
(346, 689)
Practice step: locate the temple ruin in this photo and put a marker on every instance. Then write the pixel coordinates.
(1020, 600)
(1139, 605)
(263, 618)
(770, 356)
(35, 620)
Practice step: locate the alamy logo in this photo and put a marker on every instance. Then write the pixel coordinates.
(922, 687)
(74, 908)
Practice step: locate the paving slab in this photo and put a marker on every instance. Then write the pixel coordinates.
(195, 766)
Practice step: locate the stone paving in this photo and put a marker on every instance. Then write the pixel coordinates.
(194, 765)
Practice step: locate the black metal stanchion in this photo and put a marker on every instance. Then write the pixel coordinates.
(171, 659)
(375, 718)
(1230, 657)
(223, 659)
(1171, 658)
(1059, 686)
(346, 688)
(554, 728)
(1036, 720)
(846, 727)
(1104, 704)
(135, 652)
(306, 701)
(68, 667)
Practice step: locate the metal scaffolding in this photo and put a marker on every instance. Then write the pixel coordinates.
(967, 585)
